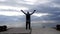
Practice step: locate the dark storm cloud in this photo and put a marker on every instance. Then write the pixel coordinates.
(15, 3)
(50, 9)
(11, 18)
(41, 8)
(56, 1)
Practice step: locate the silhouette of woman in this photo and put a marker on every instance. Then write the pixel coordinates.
(28, 18)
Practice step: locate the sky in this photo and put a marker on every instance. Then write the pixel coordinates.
(47, 11)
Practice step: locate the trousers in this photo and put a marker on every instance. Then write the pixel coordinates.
(28, 25)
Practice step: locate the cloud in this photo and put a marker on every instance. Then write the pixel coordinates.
(42, 6)
(46, 10)
(10, 13)
(13, 8)
(2, 0)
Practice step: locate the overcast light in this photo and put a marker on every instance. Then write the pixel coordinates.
(47, 11)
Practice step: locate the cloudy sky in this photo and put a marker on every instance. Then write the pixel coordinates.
(47, 11)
